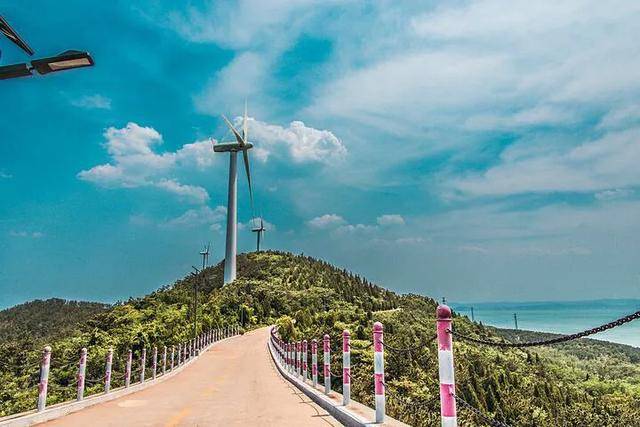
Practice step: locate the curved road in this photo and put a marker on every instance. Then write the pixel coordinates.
(234, 383)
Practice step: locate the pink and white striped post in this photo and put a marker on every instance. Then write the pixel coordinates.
(127, 374)
(346, 367)
(305, 358)
(164, 360)
(184, 353)
(378, 370)
(82, 369)
(45, 363)
(107, 370)
(173, 351)
(179, 354)
(445, 362)
(154, 362)
(143, 364)
(299, 358)
(314, 362)
(327, 363)
(289, 358)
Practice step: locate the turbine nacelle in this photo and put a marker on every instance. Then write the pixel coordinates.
(222, 147)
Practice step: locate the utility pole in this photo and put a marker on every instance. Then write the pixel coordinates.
(515, 320)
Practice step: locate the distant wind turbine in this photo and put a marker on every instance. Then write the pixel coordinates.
(259, 231)
(205, 256)
(241, 144)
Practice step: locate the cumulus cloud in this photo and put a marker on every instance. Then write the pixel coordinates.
(200, 216)
(136, 163)
(90, 102)
(196, 194)
(390, 219)
(326, 221)
(299, 142)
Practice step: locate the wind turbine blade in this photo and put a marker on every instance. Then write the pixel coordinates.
(245, 156)
(235, 131)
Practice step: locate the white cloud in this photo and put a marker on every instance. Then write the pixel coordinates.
(92, 102)
(196, 194)
(27, 234)
(200, 216)
(298, 141)
(326, 221)
(355, 229)
(608, 162)
(135, 162)
(5, 175)
(390, 219)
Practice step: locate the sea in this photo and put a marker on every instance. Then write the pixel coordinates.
(563, 317)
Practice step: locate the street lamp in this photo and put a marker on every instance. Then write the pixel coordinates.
(65, 61)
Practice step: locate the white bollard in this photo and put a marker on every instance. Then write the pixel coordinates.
(314, 362)
(378, 369)
(107, 371)
(164, 360)
(45, 363)
(299, 349)
(346, 367)
(127, 374)
(154, 363)
(304, 361)
(445, 363)
(82, 369)
(173, 350)
(143, 364)
(327, 364)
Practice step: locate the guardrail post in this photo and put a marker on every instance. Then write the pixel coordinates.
(82, 369)
(173, 350)
(445, 363)
(378, 369)
(346, 367)
(164, 360)
(314, 362)
(327, 363)
(299, 358)
(287, 359)
(107, 370)
(155, 362)
(45, 363)
(143, 364)
(305, 358)
(127, 374)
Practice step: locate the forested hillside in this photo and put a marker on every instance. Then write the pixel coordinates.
(307, 298)
(46, 319)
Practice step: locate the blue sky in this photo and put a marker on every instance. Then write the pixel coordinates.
(464, 149)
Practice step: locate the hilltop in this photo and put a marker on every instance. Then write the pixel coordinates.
(306, 298)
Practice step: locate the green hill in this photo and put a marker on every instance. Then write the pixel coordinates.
(38, 319)
(307, 298)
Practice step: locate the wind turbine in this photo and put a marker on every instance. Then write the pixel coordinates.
(241, 144)
(205, 256)
(259, 231)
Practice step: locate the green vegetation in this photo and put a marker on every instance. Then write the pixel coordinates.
(307, 298)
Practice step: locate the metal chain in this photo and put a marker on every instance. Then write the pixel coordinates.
(490, 421)
(556, 340)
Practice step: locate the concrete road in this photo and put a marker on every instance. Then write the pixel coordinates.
(234, 383)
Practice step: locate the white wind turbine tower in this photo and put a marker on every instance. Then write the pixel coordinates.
(243, 145)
